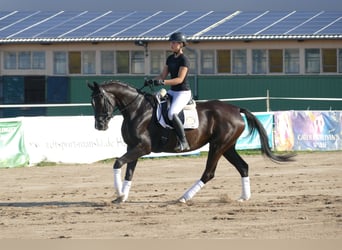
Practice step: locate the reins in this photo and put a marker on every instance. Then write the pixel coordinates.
(126, 106)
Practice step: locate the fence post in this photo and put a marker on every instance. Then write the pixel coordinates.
(268, 100)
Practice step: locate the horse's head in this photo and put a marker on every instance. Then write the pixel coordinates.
(103, 104)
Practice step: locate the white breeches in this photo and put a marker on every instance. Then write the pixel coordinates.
(179, 100)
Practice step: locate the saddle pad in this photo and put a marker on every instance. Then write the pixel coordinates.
(190, 118)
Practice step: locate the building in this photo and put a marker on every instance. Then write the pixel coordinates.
(47, 57)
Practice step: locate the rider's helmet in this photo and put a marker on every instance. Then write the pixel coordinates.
(178, 37)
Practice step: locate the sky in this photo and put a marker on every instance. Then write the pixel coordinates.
(171, 5)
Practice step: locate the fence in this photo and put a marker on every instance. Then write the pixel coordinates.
(267, 99)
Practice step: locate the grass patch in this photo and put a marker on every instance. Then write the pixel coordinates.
(46, 164)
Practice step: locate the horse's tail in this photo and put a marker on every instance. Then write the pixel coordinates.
(255, 124)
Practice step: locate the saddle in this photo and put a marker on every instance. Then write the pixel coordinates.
(188, 115)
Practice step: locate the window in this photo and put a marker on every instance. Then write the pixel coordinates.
(59, 63)
(329, 60)
(207, 61)
(10, 60)
(292, 61)
(259, 61)
(38, 60)
(239, 61)
(192, 60)
(75, 62)
(122, 62)
(138, 62)
(158, 61)
(107, 62)
(88, 62)
(275, 60)
(223, 61)
(312, 61)
(24, 60)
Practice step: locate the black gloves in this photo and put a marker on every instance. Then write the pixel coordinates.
(154, 82)
(158, 82)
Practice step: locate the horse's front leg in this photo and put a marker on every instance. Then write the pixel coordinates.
(122, 188)
(131, 158)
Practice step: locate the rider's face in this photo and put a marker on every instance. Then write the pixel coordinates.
(175, 46)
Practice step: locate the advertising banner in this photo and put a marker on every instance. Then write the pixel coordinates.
(308, 130)
(12, 146)
(72, 139)
(253, 141)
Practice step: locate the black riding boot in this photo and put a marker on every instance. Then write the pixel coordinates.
(182, 142)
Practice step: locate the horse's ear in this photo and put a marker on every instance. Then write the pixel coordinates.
(93, 87)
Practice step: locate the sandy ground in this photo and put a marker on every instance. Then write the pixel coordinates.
(297, 200)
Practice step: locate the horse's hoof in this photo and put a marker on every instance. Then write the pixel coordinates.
(181, 200)
(242, 199)
(119, 200)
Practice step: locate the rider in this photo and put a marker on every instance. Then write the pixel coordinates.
(178, 66)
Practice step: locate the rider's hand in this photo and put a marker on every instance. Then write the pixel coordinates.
(148, 82)
(158, 82)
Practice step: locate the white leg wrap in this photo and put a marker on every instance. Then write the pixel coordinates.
(117, 182)
(192, 191)
(246, 189)
(125, 189)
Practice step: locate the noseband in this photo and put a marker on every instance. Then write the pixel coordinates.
(105, 114)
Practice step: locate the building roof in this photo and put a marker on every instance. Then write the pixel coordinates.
(97, 26)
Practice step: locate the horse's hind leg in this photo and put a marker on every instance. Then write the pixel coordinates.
(234, 158)
(209, 173)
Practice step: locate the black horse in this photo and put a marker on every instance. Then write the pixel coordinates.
(220, 125)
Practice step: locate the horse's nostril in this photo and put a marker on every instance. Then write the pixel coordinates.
(101, 126)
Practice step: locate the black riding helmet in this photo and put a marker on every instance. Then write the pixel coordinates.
(178, 37)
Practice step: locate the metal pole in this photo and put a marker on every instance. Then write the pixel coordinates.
(268, 101)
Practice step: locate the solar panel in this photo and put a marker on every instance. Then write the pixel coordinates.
(132, 24)
(97, 23)
(205, 21)
(79, 21)
(334, 28)
(316, 23)
(150, 23)
(64, 27)
(23, 25)
(42, 22)
(119, 25)
(53, 27)
(10, 19)
(261, 22)
(233, 24)
(4, 14)
(22, 29)
(177, 24)
(292, 20)
(8, 23)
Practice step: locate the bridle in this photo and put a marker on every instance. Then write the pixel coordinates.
(106, 113)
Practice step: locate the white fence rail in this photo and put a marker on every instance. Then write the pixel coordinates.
(266, 98)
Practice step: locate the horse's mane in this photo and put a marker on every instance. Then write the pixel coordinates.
(149, 97)
(111, 82)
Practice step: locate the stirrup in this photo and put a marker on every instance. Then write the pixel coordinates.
(182, 146)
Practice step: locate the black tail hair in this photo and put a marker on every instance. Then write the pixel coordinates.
(255, 124)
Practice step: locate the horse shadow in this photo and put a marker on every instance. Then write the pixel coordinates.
(31, 204)
(67, 204)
